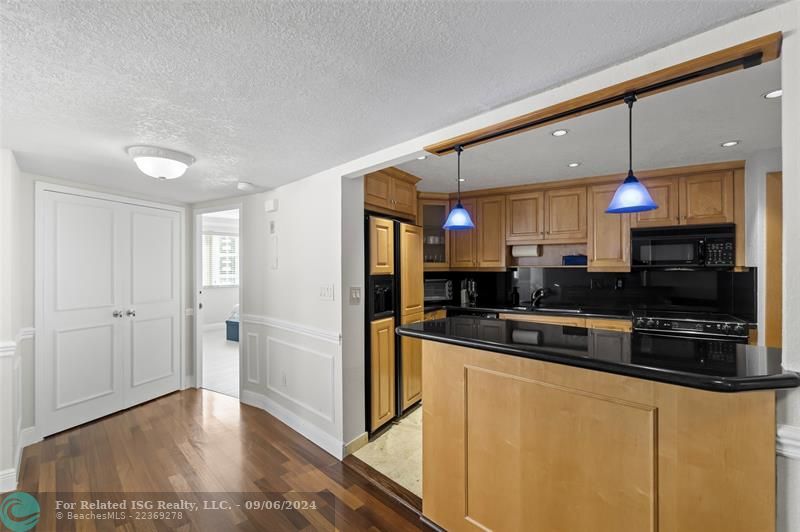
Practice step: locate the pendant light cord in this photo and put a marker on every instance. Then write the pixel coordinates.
(629, 99)
(459, 149)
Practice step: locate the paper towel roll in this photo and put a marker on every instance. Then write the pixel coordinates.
(526, 251)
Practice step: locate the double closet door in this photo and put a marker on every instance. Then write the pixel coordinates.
(109, 336)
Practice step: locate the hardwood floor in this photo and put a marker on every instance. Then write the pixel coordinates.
(199, 446)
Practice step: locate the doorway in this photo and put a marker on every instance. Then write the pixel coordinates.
(217, 278)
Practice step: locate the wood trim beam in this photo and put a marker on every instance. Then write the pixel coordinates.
(750, 53)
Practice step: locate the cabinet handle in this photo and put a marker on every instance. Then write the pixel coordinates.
(131, 313)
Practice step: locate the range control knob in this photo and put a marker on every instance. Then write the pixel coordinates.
(650, 323)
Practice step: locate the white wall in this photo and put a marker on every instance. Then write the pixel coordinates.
(218, 303)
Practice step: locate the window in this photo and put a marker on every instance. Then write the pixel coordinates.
(220, 260)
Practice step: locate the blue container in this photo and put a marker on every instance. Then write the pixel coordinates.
(574, 260)
(232, 330)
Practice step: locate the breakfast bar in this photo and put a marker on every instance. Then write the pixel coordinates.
(531, 426)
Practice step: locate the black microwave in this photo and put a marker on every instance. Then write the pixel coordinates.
(684, 247)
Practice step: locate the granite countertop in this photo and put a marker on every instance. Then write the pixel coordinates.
(585, 312)
(713, 365)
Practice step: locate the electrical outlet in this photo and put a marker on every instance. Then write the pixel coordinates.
(326, 292)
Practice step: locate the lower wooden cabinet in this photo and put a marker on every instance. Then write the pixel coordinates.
(568, 321)
(382, 372)
(609, 324)
(411, 366)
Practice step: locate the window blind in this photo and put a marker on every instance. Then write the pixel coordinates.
(220, 260)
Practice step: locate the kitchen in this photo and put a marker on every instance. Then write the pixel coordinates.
(672, 299)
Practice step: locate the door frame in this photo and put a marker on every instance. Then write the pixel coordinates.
(197, 270)
(40, 188)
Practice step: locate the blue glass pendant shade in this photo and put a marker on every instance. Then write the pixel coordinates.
(458, 219)
(631, 196)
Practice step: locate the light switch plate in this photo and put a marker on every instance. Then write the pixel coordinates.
(355, 295)
(326, 292)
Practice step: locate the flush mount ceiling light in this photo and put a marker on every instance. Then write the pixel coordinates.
(771, 95)
(559, 132)
(459, 217)
(631, 196)
(730, 143)
(244, 186)
(422, 157)
(574, 165)
(160, 163)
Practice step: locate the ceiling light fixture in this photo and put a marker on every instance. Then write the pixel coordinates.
(160, 163)
(459, 217)
(422, 157)
(771, 95)
(730, 143)
(245, 186)
(559, 132)
(631, 196)
(574, 165)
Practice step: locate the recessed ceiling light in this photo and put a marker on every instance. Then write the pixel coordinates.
(160, 163)
(422, 157)
(461, 179)
(559, 132)
(771, 95)
(730, 143)
(574, 165)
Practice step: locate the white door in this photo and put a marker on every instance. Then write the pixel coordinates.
(109, 331)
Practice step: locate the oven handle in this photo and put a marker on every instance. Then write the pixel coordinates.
(701, 252)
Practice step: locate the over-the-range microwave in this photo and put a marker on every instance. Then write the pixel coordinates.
(684, 247)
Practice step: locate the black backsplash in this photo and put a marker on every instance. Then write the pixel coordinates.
(697, 291)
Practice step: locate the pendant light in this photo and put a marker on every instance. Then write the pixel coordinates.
(631, 196)
(459, 218)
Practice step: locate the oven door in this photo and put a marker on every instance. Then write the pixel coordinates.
(667, 252)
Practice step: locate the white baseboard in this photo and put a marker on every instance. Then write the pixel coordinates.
(317, 436)
(8, 480)
(29, 436)
(213, 326)
(356, 443)
(787, 443)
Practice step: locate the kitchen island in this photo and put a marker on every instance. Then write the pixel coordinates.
(542, 427)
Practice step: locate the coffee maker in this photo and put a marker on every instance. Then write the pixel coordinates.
(469, 292)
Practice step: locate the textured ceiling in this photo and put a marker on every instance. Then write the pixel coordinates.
(270, 92)
(675, 128)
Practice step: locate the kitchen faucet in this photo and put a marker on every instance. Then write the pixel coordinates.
(537, 296)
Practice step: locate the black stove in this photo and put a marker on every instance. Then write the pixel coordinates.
(693, 324)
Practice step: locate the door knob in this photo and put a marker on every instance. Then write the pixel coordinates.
(117, 313)
(130, 312)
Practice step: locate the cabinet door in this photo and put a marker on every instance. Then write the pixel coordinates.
(378, 190)
(565, 214)
(411, 365)
(609, 324)
(382, 372)
(403, 197)
(412, 297)
(525, 217)
(609, 246)
(436, 245)
(664, 191)
(609, 346)
(381, 246)
(462, 243)
(491, 241)
(707, 198)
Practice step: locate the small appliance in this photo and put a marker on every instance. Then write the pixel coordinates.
(438, 290)
(684, 247)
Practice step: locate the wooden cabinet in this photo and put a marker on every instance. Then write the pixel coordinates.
(707, 198)
(609, 235)
(436, 245)
(565, 214)
(664, 191)
(391, 190)
(463, 243)
(412, 292)
(438, 314)
(568, 321)
(381, 246)
(382, 372)
(525, 217)
(411, 365)
(609, 324)
(491, 234)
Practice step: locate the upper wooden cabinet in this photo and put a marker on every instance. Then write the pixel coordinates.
(491, 233)
(381, 246)
(436, 245)
(609, 245)
(463, 243)
(707, 198)
(391, 190)
(565, 214)
(412, 297)
(664, 191)
(525, 217)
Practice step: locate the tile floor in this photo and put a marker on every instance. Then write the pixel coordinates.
(397, 453)
(220, 363)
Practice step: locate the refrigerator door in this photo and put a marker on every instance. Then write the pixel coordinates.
(409, 262)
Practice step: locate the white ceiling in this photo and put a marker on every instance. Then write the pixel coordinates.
(269, 92)
(675, 128)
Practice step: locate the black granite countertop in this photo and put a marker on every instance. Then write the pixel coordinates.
(714, 365)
